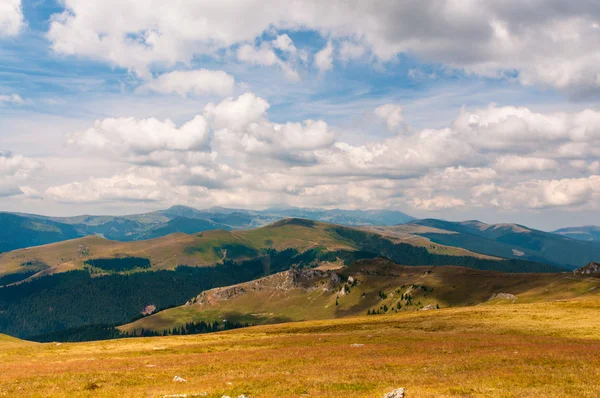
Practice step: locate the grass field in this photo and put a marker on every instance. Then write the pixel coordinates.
(510, 350)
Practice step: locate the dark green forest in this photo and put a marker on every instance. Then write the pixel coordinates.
(12, 278)
(405, 254)
(73, 299)
(104, 332)
(119, 264)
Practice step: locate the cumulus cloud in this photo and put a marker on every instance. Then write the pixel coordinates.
(391, 114)
(324, 58)
(233, 153)
(236, 113)
(132, 137)
(552, 43)
(15, 171)
(126, 187)
(265, 56)
(438, 203)
(522, 130)
(524, 164)
(11, 17)
(284, 43)
(241, 126)
(539, 194)
(201, 81)
(400, 156)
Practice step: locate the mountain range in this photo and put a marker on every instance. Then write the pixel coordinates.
(502, 240)
(25, 230)
(588, 233)
(567, 247)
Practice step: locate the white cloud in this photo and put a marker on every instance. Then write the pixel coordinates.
(284, 43)
(349, 50)
(524, 164)
(200, 81)
(539, 194)
(522, 130)
(11, 17)
(438, 203)
(264, 55)
(552, 43)
(324, 58)
(14, 99)
(241, 126)
(131, 137)
(234, 154)
(16, 170)
(391, 114)
(400, 156)
(452, 178)
(126, 187)
(236, 113)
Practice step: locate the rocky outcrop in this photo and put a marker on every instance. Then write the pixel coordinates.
(397, 393)
(592, 268)
(503, 296)
(306, 279)
(149, 309)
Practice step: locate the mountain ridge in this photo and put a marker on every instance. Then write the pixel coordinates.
(142, 226)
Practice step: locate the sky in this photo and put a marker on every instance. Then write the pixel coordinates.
(454, 109)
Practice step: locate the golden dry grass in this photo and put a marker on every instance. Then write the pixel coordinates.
(520, 350)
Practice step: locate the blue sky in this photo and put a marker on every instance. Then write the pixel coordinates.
(452, 111)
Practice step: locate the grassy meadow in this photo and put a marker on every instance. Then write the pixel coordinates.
(502, 350)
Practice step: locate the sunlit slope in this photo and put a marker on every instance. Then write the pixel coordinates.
(521, 350)
(368, 285)
(206, 248)
(200, 249)
(9, 341)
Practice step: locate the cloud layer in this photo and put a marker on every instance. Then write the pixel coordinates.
(551, 43)
(232, 154)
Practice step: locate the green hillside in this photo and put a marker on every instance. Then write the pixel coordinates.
(504, 240)
(18, 231)
(379, 286)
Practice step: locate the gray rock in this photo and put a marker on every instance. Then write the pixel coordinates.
(590, 269)
(397, 393)
(503, 296)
